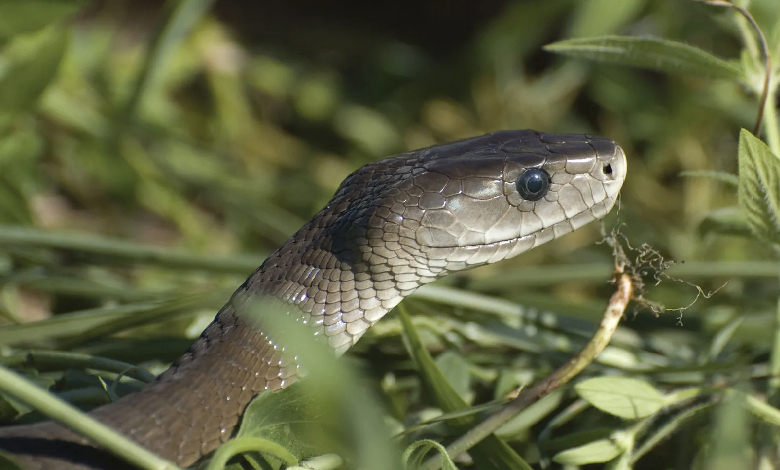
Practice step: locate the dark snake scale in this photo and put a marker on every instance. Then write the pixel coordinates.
(392, 226)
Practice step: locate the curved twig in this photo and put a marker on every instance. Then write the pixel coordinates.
(600, 339)
(764, 50)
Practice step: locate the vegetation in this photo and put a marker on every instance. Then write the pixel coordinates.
(150, 157)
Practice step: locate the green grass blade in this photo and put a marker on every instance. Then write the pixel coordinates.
(490, 453)
(119, 250)
(81, 423)
(651, 53)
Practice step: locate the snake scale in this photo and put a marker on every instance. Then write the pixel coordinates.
(392, 226)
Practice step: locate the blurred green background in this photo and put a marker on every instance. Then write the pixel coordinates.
(152, 153)
(243, 122)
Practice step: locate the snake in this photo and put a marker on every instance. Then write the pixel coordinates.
(392, 226)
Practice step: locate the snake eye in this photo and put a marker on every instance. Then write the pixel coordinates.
(533, 184)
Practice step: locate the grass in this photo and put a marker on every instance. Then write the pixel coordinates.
(151, 158)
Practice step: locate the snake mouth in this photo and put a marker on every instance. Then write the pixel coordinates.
(473, 255)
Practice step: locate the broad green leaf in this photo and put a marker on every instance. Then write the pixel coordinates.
(24, 16)
(291, 419)
(491, 452)
(330, 409)
(759, 187)
(596, 451)
(456, 371)
(34, 62)
(652, 53)
(620, 396)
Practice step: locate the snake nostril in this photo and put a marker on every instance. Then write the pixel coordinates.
(607, 169)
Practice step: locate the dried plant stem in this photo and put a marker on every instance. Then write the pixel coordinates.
(600, 339)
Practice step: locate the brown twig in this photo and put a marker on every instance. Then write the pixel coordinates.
(612, 315)
(764, 48)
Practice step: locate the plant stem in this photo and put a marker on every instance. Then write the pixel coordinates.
(770, 117)
(240, 445)
(58, 359)
(560, 377)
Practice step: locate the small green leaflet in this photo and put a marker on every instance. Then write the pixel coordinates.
(759, 187)
(623, 397)
(602, 450)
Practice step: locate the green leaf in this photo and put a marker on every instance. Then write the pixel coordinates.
(24, 16)
(652, 53)
(597, 451)
(602, 450)
(289, 418)
(671, 426)
(240, 445)
(34, 62)
(447, 398)
(724, 336)
(456, 371)
(491, 452)
(415, 454)
(622, 397)
(759, 187)
(317, 412)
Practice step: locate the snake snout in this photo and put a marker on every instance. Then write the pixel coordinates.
(613, 170)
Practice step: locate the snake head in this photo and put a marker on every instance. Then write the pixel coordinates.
(486, 199)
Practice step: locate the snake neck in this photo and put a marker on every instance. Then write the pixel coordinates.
(339, 289)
